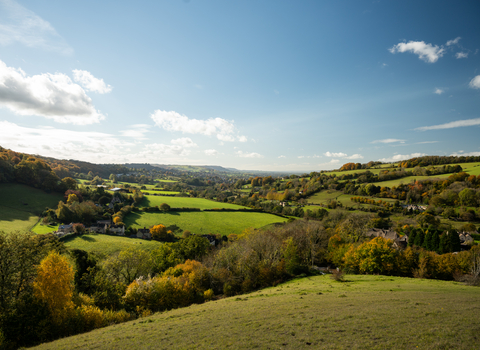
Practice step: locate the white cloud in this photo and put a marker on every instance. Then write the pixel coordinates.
(136, 131)
(454, 41)
(461, 55)
(173, 121)
(399, 157)
(18, 24)
(439, 91)
(426, 52)
(475, 82)
(159, 150)
(89, 82)
(282, 156)
(52, 96)
(330, 163)
(248, 155)
(468, 154)
(388, 141)
(184, 142)
(63, 144)
(300, 157)
(451, 125)
(211, 152)
(339, 154)
(242, 139)
(426, 142)
(355, 156)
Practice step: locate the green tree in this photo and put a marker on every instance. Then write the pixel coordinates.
(128, 265)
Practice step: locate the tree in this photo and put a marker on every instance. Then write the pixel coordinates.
(128, 265)
(164, 207)
(467, 197)
(54, 285)
(72, 198)
(159, 233)
(376, 256)
(69, 183)
(63, 212)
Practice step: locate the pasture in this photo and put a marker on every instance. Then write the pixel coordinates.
(223, 223)
(106, 245)
(365, 312)
(185, 202)
(21, 206)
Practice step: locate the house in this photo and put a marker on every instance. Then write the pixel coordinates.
(144, 233)
(119, 230)
(398, 241)
(212, 239)
(97, 228)
(65, 229)
(465, 238)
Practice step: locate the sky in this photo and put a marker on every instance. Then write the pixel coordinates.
(252, 85)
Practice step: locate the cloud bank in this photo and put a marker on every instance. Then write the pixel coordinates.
(53, 96)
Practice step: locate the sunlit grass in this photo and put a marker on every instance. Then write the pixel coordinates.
(366, 312)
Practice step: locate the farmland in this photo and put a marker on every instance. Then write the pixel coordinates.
(222, 223)
(366, 312)
(106, 245)
(185, 202)
(21, 206)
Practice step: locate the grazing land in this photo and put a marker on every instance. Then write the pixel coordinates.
(366, 312)
(22, 205)
(185, 202)
(223, 223)
(106, 245)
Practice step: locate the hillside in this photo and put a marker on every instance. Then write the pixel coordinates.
(366, 312)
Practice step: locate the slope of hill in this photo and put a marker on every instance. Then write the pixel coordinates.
(366, 312)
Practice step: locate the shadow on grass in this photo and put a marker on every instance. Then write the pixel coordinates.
(88, 239)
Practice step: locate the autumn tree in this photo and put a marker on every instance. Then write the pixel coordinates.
(54, 285)
(128, 265)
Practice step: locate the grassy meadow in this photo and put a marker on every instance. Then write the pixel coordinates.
(223, 223)
(185, 202)
(21, 206)
(366, 312)
(107, 245)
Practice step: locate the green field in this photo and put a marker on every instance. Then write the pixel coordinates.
(204, 222)
(157, 191)
(41, 229)
(366, 312)
(185, 202)
(21, 206)
(323, 196)
(107, 245)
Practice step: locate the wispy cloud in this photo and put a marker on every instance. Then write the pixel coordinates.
(454, 41)
(399, 157)
(282, 156)
(335, 154)
(211, 152)
(426, 142)
(439, 91)
(475, 82)
(389, 141)
(426, 52)
(136, 131)
(355, 156)
(89, 82)
(52, 96)
(248, 155)
(465, 154)
(18, 24)
(451, 125)
(459, 55)
(173, 121)
(184, 142)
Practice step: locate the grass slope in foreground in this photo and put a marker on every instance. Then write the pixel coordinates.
(367, 312)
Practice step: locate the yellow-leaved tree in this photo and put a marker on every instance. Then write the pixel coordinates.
(54, 285)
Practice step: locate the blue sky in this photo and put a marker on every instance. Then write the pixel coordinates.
(264, 85)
